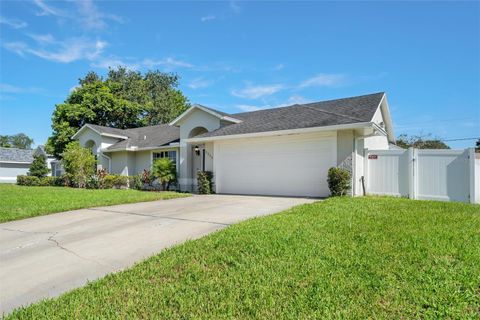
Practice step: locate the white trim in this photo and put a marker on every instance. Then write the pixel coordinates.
(283, 132)
(19, 162)
(170, 146)
(213, 113)
(98, 132)
(387, 119)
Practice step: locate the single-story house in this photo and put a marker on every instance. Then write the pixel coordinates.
(283, 151)
(14, 162)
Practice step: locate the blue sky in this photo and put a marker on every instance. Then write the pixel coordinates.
(241, 56)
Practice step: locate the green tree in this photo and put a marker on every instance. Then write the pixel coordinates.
(125, 99)
(5, 141)
(38, 168)
(79, 164)
(164, 170)
(19, 140)
(420, 142)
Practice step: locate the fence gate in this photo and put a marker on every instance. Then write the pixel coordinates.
(447, 175)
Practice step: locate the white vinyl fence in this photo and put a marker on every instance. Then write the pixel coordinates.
(448, 175)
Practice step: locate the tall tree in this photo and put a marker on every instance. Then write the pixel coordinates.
(420, 142)
(19, 140)
(477, 146)
(125, 99)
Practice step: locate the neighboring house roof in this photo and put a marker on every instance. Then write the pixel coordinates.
(16, 155)
(299, 116)
(40, 150)
(148, 137)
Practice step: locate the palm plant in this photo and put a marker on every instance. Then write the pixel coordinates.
(164, 170)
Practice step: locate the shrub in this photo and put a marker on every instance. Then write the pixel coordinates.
(62, 181)
(28, 181)
(43, 182)
(338, 181)
(38, 168)
(47, 181)
(205, 182)
(115, 181)
(146, 177)
(93, 182)
(164, 170)
(99, 179)
(135, 182)
(79, 163)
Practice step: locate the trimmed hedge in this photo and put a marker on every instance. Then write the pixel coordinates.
(115, 181)
(98, 181)
(34, 181)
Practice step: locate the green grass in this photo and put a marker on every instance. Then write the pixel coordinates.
(340, 258)
(18, 202)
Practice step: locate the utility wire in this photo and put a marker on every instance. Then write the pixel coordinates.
(460, 139)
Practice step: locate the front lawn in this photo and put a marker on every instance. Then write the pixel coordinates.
(18, 202)
(340, 258)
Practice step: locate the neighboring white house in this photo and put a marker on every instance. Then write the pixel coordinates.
(283, 151)
(14, 162)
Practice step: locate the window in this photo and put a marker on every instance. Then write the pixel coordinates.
(57, 169)
(172, 155)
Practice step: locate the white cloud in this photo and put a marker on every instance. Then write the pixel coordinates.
(255, 92)
(279, 67)
(17, 47)
(167, 63)
(87, 14)
(235, 7)
(324, 80)
(207, 18)
(42, 38)
(70, 50)
(249, 108)
(295, 99)
(199, 83)
(14, 23)
(8, 88)
(47, 10)
(114, 62)
(92, 17)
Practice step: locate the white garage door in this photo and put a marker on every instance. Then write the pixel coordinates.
(292, 165)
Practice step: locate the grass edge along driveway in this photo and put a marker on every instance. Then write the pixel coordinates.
(20, 202)
(339, 258)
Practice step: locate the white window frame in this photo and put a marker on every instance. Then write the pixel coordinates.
(177, 153)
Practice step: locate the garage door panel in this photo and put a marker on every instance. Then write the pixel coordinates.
(288, 165)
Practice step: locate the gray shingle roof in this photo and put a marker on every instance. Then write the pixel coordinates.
(148, 137)
(325, 113)
(317, 114)
(16, 155)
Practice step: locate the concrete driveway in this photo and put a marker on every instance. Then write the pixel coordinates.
(45, 256)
